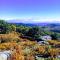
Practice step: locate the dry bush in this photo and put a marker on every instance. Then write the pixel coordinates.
(54, 42)
(42, 49)
(9, 37)
(53, 52)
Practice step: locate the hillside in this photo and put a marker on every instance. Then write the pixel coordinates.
(25, 42)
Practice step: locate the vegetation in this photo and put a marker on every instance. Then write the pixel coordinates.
(13, 37)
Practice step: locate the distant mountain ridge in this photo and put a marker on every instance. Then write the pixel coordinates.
(49, 24)
(30, 21)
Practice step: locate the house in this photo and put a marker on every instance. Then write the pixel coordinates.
(5, 55)
(47, 37)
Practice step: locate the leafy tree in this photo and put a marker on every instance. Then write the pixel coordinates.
(33, 32)
(6, 27)
(3, 26)
(54, 36)
(22, 29)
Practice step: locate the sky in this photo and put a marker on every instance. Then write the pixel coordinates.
(30, 10)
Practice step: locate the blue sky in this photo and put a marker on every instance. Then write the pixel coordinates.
(30, 10)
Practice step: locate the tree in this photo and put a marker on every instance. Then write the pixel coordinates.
(3, 26)
(54, 36)
(22, 29)
(33, 32)
(6, 27)
(13, 27)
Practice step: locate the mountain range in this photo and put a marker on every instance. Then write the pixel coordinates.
(34, 24)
